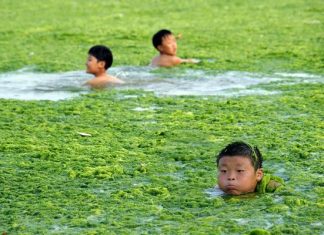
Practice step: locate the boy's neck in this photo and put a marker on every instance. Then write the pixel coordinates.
(101, 74)
(163, 54)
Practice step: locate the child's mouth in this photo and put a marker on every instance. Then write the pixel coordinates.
(231, 187)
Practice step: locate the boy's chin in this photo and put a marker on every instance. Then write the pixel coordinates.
(171, 54)
(233, 192)
(237, 192)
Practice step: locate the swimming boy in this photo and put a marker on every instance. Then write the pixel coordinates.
(165, 42)
(99, 60)
(240, 171)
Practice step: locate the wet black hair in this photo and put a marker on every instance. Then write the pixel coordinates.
(157, 38)
(240, 148)
(102, 53)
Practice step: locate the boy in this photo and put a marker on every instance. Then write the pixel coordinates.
(165, 42)
(99, 60)
(240, 171)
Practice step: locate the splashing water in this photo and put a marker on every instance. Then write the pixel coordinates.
(25, 84)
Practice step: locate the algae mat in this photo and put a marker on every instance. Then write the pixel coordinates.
(225, 35)
(149, 165)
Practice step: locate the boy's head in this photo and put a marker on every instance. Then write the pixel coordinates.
(165, 42)
(99, 57)
(239, 168)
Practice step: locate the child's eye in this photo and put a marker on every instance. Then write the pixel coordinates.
(240, 171)
(223, 171)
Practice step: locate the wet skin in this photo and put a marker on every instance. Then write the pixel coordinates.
(237, 175)
(94, 66)
(169, 46)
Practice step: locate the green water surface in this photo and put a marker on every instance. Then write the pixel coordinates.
(147, 172)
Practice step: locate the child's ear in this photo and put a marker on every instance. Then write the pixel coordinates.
(259, 174)
(159, 47)
(101, 64)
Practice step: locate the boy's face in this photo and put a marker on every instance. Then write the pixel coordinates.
(236, 175)
(168, 46)
(94, 65)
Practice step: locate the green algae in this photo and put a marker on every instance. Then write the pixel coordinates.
(147, 172)
(270, 183)
(249, 36)
(131, 177)
(259, 232)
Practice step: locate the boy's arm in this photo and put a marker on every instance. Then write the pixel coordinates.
(87, 83)
(169, 61)
(192, 61)
(177, 60)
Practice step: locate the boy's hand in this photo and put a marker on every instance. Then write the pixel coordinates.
(179, 36)
(194, 61)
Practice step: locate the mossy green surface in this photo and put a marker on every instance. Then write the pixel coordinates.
(248, 36)
(147, 172)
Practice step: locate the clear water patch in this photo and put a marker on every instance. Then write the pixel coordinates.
(26, 84)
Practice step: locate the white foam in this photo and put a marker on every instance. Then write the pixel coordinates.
(25, 84)
(299, 75)
(214, 192)
(28, 85)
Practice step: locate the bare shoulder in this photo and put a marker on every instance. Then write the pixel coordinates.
(104, 81)
(176, 60)
(155, 61)
(165, 61)
(115, 80)
(89, 82)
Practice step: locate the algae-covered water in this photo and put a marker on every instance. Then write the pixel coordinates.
(140, 158)
(148, 164)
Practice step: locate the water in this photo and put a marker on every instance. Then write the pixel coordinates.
(214, 192)
(25, 84)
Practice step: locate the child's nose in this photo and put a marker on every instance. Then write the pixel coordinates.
(231, 176)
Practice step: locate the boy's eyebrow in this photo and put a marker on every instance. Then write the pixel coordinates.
(222, 164)
(169, 36)
(236, 165)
